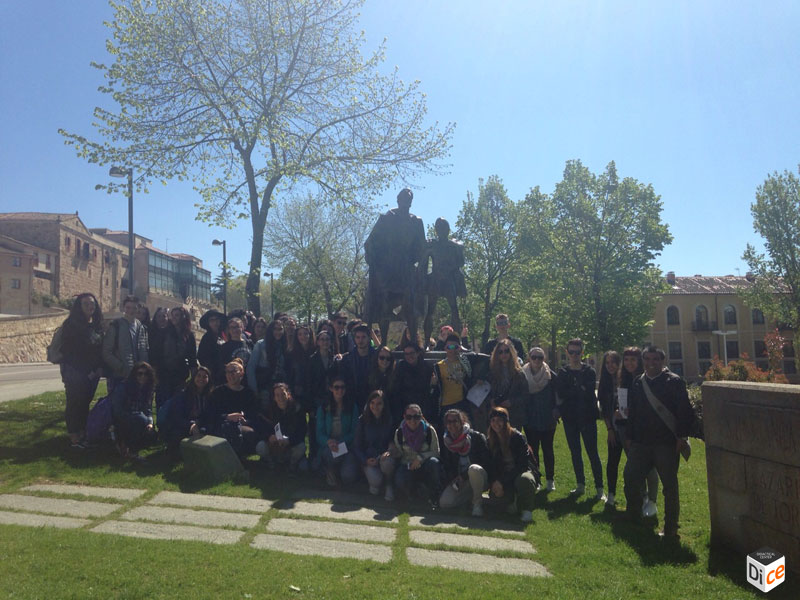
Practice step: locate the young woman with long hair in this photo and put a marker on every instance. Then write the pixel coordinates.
(465, 463)
(184, 413)
(510, 470)
(270, 362)
(209, 352)
(132, 411)
(282, 430)
(81, 363)
(336, 426)
(381, 370)
(176, 355)
(416, 446)
(540, 425)
(607, 396)
(371, 445)
(509, 388)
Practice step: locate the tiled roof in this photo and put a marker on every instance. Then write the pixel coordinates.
(699, 284)
(36, 216)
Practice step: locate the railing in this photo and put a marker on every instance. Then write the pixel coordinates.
(703, 325)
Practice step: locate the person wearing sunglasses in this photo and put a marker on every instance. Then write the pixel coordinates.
(416, 446)
(132, 411)
(577, 406)
(336, 426)
(453, 377)
(502, 324)
(509, 387)
(540, 425)
(465, 463)
(232, 410)
(513, 478)
(381, 372)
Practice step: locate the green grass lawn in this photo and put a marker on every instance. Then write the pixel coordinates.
(590, 554)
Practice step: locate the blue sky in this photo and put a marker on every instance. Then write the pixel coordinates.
(700, 99)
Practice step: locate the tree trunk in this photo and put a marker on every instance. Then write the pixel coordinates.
(252, 288)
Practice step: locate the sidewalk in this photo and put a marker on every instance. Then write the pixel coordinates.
(20, 380)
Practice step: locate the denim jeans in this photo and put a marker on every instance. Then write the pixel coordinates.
(346, 465)
(588, 431)
(429, 473)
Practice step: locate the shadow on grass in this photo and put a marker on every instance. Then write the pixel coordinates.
(571, 505)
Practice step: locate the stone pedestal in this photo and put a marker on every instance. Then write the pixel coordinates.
(752, 434)
(211, 457)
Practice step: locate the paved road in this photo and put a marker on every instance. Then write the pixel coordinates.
(27, 379)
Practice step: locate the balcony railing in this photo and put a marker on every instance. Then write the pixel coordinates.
(703, 325)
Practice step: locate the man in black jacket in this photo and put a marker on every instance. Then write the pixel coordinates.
(577, 406)
(659, 419)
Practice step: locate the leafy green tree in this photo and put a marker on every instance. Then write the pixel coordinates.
(320, 248)
(251, 98)
(488, 228)
(776, 217)
(594, 239)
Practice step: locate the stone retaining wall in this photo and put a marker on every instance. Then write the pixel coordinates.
(25, 339)
(752, 435)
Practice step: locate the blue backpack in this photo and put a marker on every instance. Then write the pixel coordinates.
(99, 421)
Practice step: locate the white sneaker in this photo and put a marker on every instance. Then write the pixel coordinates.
(477, 509)
(611, 500)
(261, 449)
(551, 486)
(526, 516)
(600, 495)
(650, 509)
(374, 490)
(579, 490)
(389, 494)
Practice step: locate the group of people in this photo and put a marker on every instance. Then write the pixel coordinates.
(334, 398)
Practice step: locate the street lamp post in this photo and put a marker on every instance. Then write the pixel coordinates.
(271, 296)
(724, 335)
(224, 245)
(122, 172)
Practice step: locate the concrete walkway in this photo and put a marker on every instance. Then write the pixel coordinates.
(297, 527)
(20, 380)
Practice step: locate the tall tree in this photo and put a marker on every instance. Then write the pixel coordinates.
(598, 237)
(252, 97)
(488, 229)
(320, 247)
(776, 217)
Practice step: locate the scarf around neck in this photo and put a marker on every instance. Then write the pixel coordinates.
(460, 445)
(414, 438)
(537, 381)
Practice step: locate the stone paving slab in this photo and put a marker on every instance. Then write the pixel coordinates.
(14, 518)
(58, 506)
(477, 542)
(478, 563)
(342, 497)
(86, 490)
(340, 511)
(339, 531)
(229, 503)
(445, 521)
(159, 531)
(207, 518)
(320, 547)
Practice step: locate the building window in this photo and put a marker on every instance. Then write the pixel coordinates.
(760, 354)
(677, 368)
(732, 348)
(107, 257)
(701, 318)
(16, 284)
(78, 248)
(789, 366)
(94, 254)
(86, 250)
(675, 351)
(704, 350)
(66, 242)
(673, 316)
(47, 261)
(730, 314)
(16, 261)
(758, 317)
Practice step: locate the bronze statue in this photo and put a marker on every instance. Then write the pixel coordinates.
(445, 278)
(393, 250)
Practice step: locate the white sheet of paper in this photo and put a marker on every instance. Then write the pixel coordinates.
(278, 434)
(478, 392)
(622, 400)
(342, 449)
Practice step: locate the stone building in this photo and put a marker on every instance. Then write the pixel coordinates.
(703, 317)
(17, 260)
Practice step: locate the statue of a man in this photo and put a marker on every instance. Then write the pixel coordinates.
(446, 278)
(393, 250)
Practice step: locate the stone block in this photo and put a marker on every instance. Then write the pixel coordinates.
(340, 511)
(320, 547)
(58, 506)
(30, 520)
(86, 490)
(456, 522)
(726, 469)
(160, 531)
(477, 563)
(229, 503)
(327, 529)
(474, 542)
(206, 518)
(212, 457)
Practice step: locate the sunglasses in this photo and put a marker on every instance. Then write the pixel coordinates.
(413, 417)
(502, 323)
(504, 351)
(574, 352)
(500, 416)
(451, 346)
(338, 387)
(384, 358)
(533, 357)
(341, 322)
